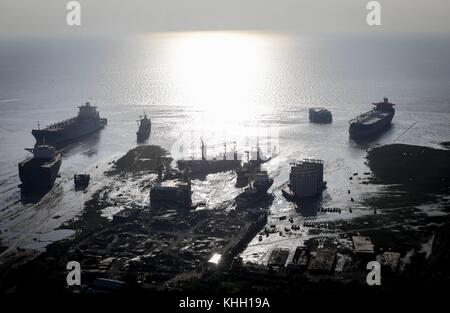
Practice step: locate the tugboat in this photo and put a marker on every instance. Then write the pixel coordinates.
(373, 122)
(87, 122)
(257, 190)
(40, 171)
(320, 115)
(81, 181)
(145, 127)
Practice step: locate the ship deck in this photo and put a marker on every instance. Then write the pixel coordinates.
(370, 117)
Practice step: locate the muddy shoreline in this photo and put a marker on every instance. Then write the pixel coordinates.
(168, 249)
(146, 247)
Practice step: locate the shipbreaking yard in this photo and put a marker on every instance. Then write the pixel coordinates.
(121, 236)
(158, 247)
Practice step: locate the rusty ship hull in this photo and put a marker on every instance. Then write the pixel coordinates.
(68, 131)
(199, 167)
(380, 122)
(38, 173)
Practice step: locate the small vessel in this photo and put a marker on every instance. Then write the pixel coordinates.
(81, 181)
(41, 170)
(320, 115)
(86, 122)
(203, 166)
(144, 128)
(372, 122)
(257, 189)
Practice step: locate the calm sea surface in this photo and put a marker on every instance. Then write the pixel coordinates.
(222, 86)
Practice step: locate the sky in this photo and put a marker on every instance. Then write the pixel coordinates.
(48, 17)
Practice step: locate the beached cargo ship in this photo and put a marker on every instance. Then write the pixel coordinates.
(373, 122)
(41, 170)
(86, 122)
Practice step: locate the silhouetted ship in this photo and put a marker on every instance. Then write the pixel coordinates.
(250, 168)
(87, 122)
(204, 166)
(373, 122)
(320, 115)
(257, 190)
(145, 127)
(41, 170)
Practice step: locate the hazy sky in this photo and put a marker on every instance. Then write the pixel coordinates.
(47, 17)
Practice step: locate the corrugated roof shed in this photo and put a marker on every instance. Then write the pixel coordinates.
(323, 260)
(362, 244)
(390, 259)
(278, 257)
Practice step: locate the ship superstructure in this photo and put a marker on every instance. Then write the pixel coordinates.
(250, 167)
(259, 183)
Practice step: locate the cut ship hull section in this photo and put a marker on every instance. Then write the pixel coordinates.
(40, 172)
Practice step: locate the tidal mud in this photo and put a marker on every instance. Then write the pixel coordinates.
(146, 247)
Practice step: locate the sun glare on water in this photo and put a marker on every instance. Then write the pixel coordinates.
(221, 74)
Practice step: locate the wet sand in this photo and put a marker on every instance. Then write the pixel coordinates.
(142, 245)
(402, 223)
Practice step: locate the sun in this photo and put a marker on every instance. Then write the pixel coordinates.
(221, 74)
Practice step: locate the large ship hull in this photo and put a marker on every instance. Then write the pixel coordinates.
(244, 200)
(143, 134)
(38, 174)
(361, 130)
(200, 167)
(250, 197)
(67, 133)
(291, 196)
